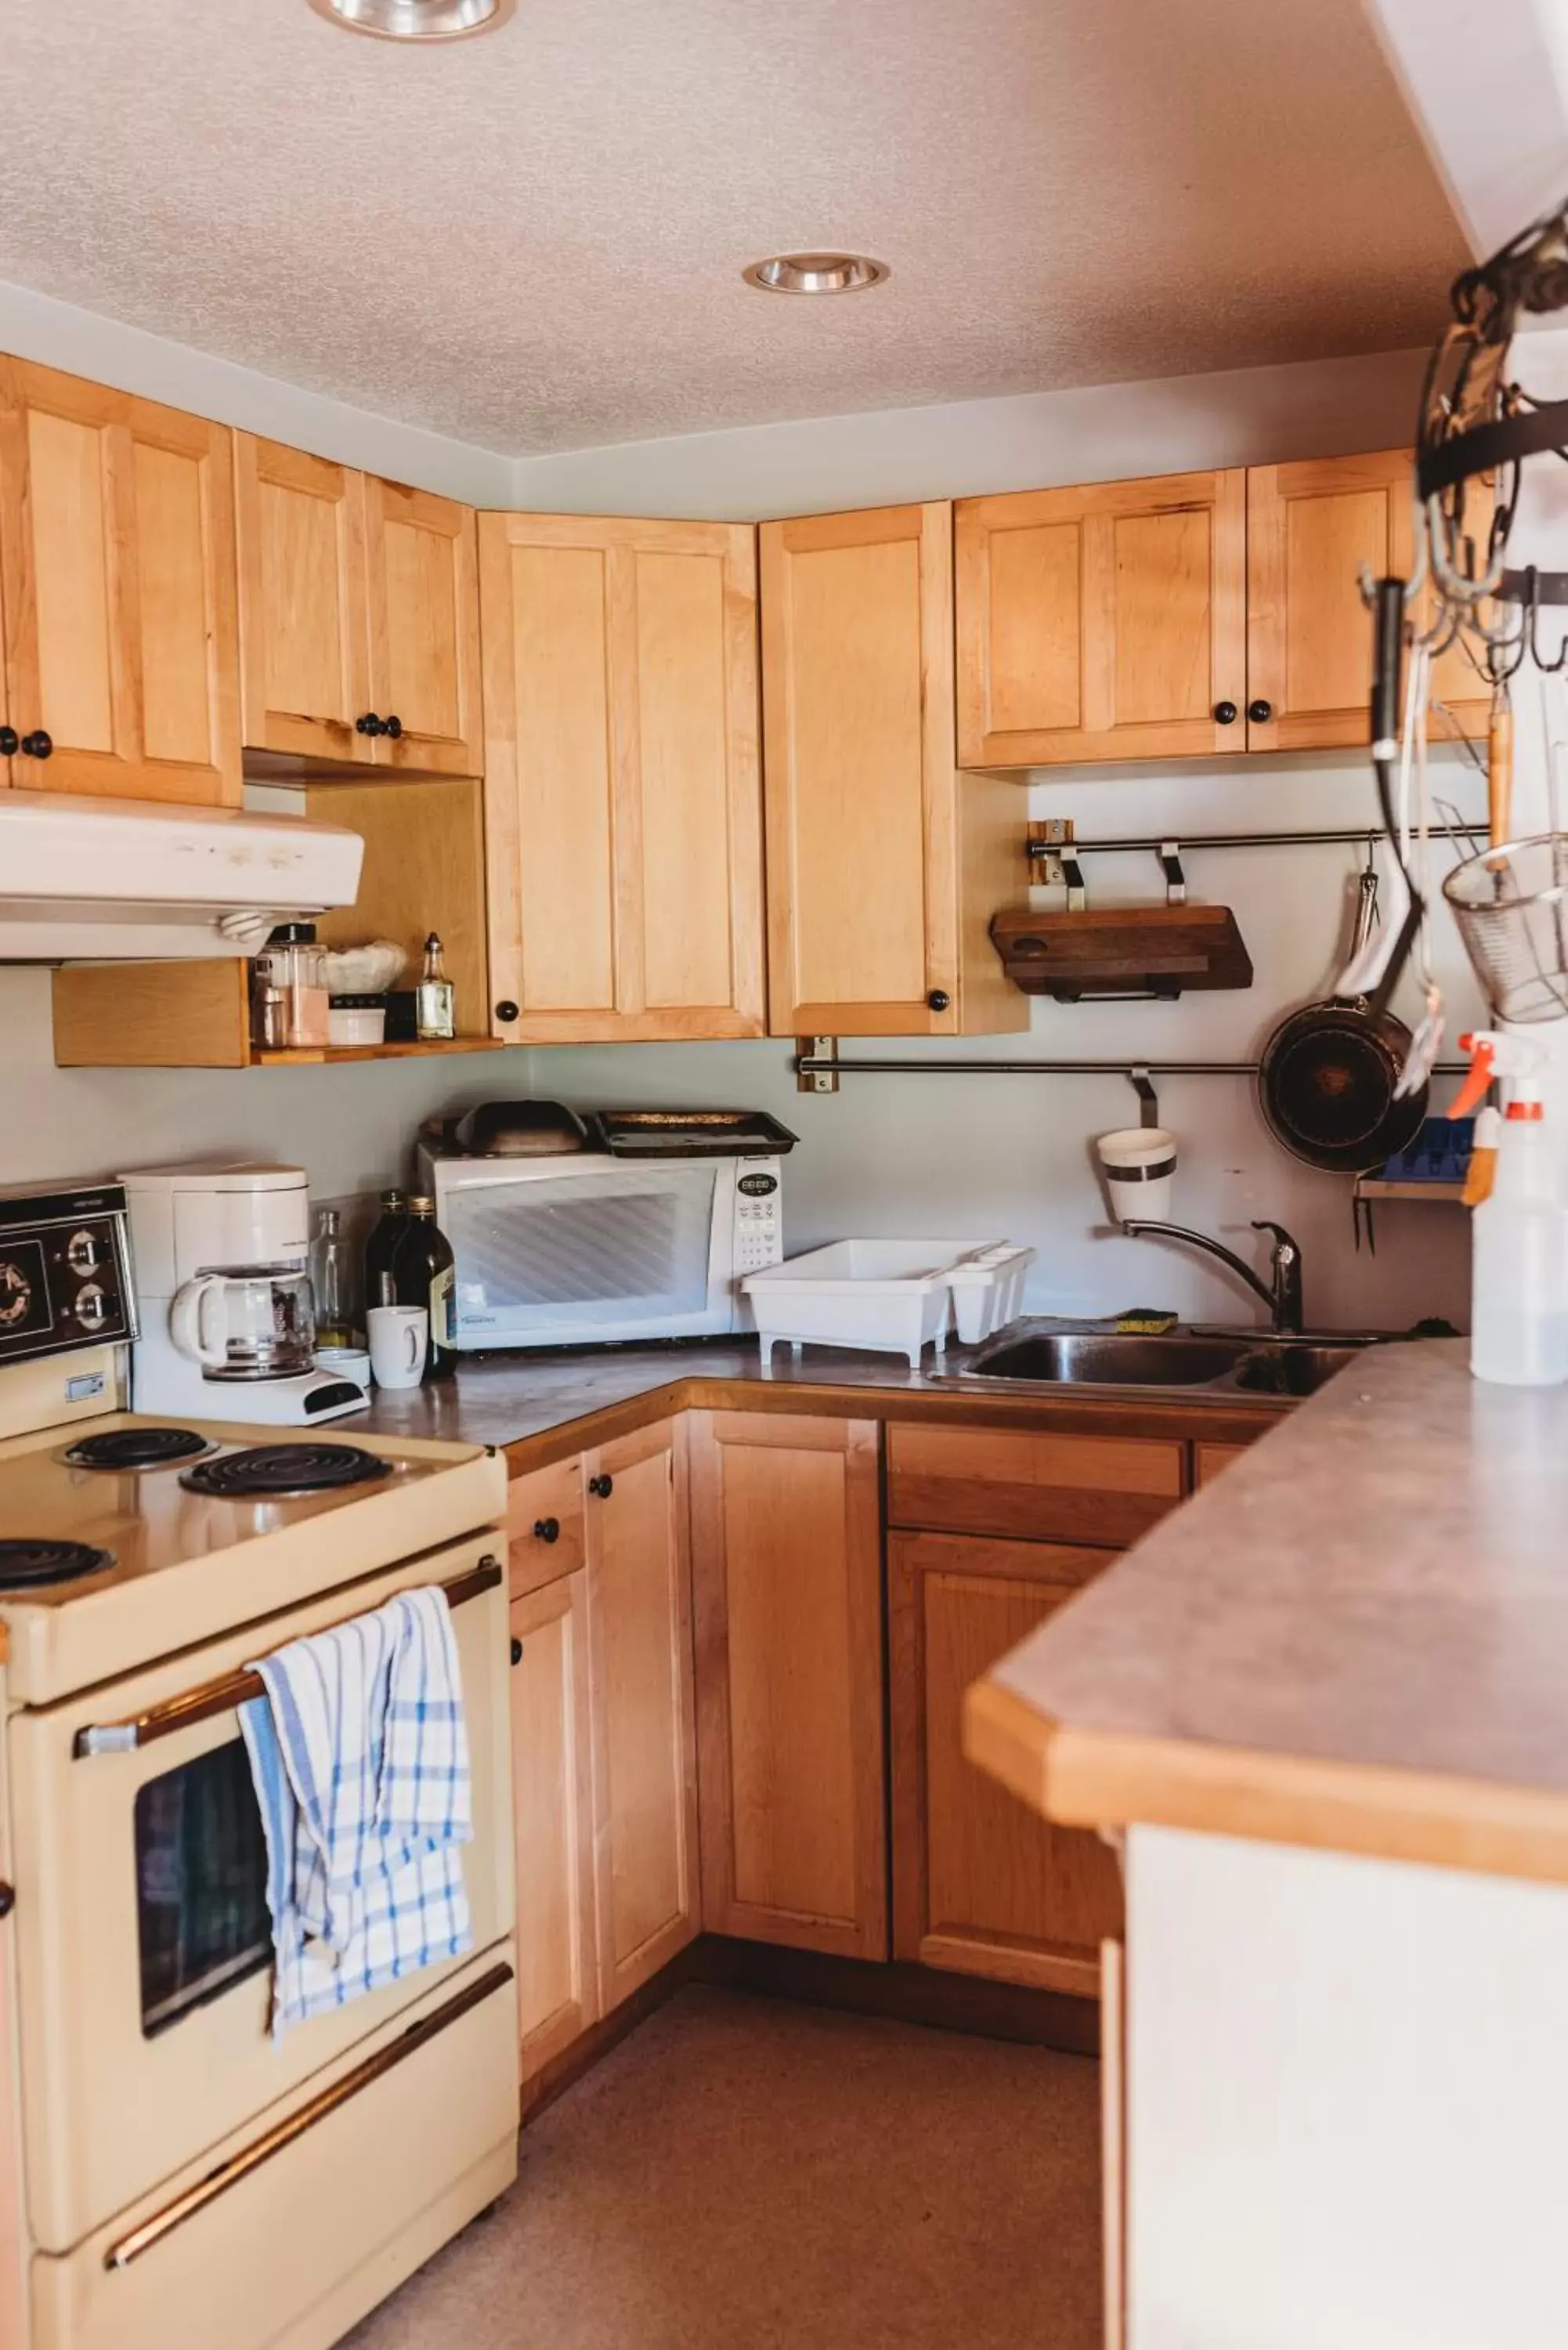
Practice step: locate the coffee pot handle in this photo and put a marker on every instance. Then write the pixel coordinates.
(187, 1322)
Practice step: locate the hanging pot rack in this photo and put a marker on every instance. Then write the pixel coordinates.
(1058, 853)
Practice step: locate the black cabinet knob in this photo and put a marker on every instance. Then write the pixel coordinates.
(603, 1486)
(37, 744)
(516, 1652)
(1260, 713)
(506, 1009)
(939, 999)
(7, 1899)
(10, 741)
(1224, 713)
(393, 726)
(369, 724)
(547, 1529)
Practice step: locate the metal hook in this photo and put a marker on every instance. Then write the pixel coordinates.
(1142, 1085)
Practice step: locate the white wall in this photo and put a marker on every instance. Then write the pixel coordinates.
(937, 1154)
(982, 1157)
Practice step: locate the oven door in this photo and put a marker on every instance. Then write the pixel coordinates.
(586, 1250)
(143, 1948)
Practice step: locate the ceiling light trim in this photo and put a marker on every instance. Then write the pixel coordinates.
(816, 272)
(416, 21)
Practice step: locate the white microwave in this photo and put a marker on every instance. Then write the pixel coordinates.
(585, 1248)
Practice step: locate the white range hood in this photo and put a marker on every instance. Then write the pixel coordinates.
(107, 881)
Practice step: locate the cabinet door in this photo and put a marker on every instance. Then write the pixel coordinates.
(869, 873)
(787, 1591)
(622, 799)
(981, 1883)
(552, 1774)
(1311, 529)
(117, 548)
(303, 612)
(421, 575)
(645, 1757)
(1102, 622)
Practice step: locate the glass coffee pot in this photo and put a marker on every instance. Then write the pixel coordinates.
(248, 1322)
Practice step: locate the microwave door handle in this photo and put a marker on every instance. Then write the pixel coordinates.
(231, 1689)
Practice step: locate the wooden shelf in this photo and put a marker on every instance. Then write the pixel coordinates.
(398, 1050)
(1373, 1187)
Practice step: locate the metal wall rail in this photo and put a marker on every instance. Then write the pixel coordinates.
(1356, 836)
(834, 1065)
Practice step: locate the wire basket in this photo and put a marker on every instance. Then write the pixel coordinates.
(1512, 907)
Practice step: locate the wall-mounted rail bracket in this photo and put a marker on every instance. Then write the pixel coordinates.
(1142, 1085)
(1175, 878)
(815, 1048)
(1054, 860)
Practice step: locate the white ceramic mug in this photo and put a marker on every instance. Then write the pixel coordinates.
(1140, 1163)
(399, 1335)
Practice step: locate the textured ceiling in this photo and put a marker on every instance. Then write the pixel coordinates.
(533, 239)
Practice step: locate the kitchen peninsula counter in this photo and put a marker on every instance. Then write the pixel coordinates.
(541, 1407)
(1357, 1639)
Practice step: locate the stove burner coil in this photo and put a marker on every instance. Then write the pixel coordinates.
(137, 1447)
(24, 1563)
(276, 1470)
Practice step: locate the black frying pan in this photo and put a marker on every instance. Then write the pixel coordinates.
(1327, 1076)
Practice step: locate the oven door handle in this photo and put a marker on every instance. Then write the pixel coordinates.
(235, 1688)
(250, 2157)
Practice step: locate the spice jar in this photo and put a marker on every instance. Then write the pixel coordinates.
(293, 965)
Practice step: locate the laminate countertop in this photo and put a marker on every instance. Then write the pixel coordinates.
(539, 1408)
(1355, 1638)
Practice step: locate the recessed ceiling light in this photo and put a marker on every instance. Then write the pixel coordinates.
(415, 20)
(815, 273)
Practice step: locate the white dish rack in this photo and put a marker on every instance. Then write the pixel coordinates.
(893, 1297)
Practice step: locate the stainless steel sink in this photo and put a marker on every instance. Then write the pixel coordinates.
(1106, 1358)
(1032, 1355)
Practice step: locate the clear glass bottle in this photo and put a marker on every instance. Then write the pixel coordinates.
(331, 1277)
(434, 1009)
(422, 1274)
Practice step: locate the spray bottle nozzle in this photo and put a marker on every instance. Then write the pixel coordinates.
(1495, 1054)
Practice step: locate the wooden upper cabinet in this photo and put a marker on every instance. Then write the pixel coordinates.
(116, 578)
(622, 797)
(304, 625)
(422, 579)
(884, 866)
(359, 601)
(1106, 622)
(786, 1576)
(1311, 529)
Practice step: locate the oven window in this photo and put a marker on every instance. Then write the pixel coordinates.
(201, 1885)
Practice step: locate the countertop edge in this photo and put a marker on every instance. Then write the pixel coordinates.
(1198, 1415)
(1110, 1780)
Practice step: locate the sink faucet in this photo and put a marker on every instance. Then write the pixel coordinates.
(1282, 1292)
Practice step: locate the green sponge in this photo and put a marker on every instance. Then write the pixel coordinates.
(1147, 1321)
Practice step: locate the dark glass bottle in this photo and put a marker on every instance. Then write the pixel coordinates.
(380, 1248)
(422, 1274)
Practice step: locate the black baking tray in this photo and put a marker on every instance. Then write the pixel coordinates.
(691, 1134)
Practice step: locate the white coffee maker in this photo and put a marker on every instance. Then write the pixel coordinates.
(220, 1258)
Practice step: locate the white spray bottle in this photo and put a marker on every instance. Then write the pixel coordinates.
(1519, 1229)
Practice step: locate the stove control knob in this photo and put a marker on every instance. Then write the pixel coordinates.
(83, 1253)
(91, 1306)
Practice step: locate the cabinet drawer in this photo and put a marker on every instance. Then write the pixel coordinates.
(1093, 1489)
(544, 1534)
(1210, 1459)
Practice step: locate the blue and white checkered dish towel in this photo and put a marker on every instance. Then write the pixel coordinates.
(359, 1755)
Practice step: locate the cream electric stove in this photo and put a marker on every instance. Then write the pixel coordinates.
(169, 2178)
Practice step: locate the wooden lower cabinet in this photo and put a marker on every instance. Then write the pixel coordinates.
(1208, 1459)
(980, 1884)
(644, 1735)
(787, 1591)
(552, 1763)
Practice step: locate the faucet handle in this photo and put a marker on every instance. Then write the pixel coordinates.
(1283, 1239)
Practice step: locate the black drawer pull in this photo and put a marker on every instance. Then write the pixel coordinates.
(38, 745)
(548, 1529)
(516, 1651)
(603, 1486)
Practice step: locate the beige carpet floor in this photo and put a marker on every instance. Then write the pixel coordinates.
(744, 2175)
